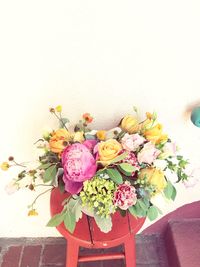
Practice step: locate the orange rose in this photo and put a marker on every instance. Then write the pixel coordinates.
(58, 139)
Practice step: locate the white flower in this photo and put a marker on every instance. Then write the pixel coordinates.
(160, 164)
(169, 150)
(12, 187)
(193, 177)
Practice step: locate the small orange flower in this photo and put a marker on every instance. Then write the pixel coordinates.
(87, 117)
(58, 140)
(33, 212)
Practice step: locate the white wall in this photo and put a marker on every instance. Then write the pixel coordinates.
(97, 56)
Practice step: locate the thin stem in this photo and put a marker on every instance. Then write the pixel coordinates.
(40, 195)
(60, 119)
(43, 185)
(19, 164)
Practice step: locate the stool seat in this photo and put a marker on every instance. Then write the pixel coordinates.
(87, 234)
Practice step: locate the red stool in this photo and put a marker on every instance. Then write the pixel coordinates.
(87, 234)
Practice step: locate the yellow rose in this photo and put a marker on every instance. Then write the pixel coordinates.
(129, 124)
(108, 150)
(155, 177)
(101, 135)
(78, 137)
(155, 134)
(58, 139)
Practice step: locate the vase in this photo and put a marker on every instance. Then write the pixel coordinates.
(90, 232)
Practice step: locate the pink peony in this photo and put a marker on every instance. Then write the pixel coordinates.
(131, 142)
(90, 144)
(79, 165)
(148, 153)
(125, 196)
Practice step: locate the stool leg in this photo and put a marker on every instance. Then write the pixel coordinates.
(72, 254)
(129, 246)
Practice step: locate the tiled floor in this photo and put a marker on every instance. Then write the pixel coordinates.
(50, 252)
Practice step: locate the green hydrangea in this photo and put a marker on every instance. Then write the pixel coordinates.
(97, 195)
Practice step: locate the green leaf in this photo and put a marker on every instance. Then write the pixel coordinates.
(74, 205)
(44, 166)
(143, 205)
(173, 196)
(63, 121)
(115, 176)
(133, 211)
(127, 167)
(135, 109)
(101, 172)
(152, 213)
(61, 185)
(50, 173)
(170, 191)
(119, 158)
(56, 220)
(139, 209)
(70, 221)
(105, 224)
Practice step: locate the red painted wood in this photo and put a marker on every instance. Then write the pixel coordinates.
(97, 257)
(121, 232)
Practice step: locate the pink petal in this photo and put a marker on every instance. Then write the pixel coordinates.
(73, 187)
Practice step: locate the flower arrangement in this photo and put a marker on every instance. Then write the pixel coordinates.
(103, 171)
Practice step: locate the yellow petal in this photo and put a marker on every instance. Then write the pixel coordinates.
(32, 212)
(101, 135)
(5, 166)
(59, 108)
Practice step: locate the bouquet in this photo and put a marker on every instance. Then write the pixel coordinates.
(103, 171)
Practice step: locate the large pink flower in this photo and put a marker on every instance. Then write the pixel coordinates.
(131, 142)
(125, 196)
(148, 153)
(79, 165)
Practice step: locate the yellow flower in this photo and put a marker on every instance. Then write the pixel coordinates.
(78, 137)
(155, 134)
(58, 139)
(155, 177)
(32, 212)
(108, 150)
(129, 124)
(5, 166)
(101, 135)
(149, 115)
(59, 108)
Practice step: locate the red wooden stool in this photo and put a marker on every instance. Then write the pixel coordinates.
(87, 234)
